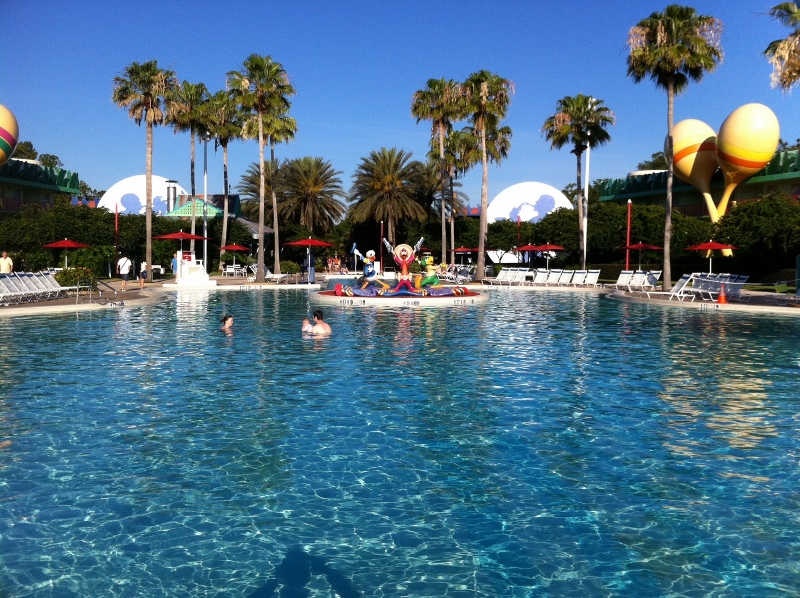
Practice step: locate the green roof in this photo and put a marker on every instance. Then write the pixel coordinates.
(28, 174)
(783, 166)
(186, 209)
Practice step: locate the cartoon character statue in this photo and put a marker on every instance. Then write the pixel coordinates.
(430, 279)
(370, 275)
(404, 257)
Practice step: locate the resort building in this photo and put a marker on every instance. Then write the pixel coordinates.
(26, 182)
(781, 175)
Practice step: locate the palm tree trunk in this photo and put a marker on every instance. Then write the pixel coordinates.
(484, 206)
(260, 273)
(191, 243)
(580, 204)
(452, 224)
(442, 177)
(225, 204)
(148, 192)
(272, 176)
(667, 274)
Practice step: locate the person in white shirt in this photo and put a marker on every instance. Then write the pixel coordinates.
(124, 269)
(142, 275)
(6, 264)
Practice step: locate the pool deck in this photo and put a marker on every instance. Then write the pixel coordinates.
(157, 291)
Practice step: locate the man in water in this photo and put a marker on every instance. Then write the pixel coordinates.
(321, 327)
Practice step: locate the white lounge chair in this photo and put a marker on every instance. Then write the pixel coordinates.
(552, 277)
(503, 277)
(679, 291)
(579, 278)
(539, 277)
(592, 278)
(565, 278)
(622, 281)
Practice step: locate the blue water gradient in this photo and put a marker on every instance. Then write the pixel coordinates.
(545, 444)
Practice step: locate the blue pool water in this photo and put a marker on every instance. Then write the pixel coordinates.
(545, 444)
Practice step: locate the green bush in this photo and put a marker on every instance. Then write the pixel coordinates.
(289, 267)
(78, 276)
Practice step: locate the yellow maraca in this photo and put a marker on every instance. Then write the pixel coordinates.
(694, 157)
(9, 134)
(746, 142)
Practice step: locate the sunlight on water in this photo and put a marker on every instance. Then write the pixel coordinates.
(543, 444)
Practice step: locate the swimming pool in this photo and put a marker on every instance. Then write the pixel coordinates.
(543, 444)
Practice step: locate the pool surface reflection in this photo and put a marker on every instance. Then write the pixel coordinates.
(543, 444)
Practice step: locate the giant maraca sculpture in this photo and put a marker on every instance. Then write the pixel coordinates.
(9, 134)
(746, 142)
(694, 157)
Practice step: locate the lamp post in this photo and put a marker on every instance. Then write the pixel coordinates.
(628, 240)
(380, 244)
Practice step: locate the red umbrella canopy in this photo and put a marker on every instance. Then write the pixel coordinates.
(547, 247)
(528, 248)
(463, 250)
(181, 236)
(640, 246)
(234, 247)
(710, 246)
(309, 243)
(65, 244)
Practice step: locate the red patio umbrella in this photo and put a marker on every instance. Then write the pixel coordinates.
(709, 247)
(65, 244)
(181, 236)
(527, 248)
(308, 244)
(547, 248)
(234, 247)
(640, 246)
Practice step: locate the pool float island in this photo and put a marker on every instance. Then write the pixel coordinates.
(426, 291)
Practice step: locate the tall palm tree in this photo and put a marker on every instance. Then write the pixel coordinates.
(581, 121)
(262, 87)
(186, 114)
(488, 97)
(784, 54)
(672, 48)
(463, 151)
(383, 189)
(311, 192)
(145, 90)
(441, 102)
(223, 119)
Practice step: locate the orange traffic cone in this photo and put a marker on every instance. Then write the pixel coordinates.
(722, 298)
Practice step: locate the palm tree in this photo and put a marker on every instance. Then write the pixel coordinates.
(311, 188)
(463, 151)
(223, 119)
(262, 88)
(488, 97)
(672, 48)
(383, 189)
(145, 90)
(581, 121)
(441, 102)
(784, 54)
(186, 114)
(249, 188)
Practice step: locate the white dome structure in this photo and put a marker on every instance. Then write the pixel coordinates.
(526, 201)
(129, 195)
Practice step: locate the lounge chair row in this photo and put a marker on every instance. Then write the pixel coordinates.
(703, 286)
(544, 278)
(24, 287)
(268, 276)
(636, 280)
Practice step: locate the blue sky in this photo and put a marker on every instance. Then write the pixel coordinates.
(355, 65)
